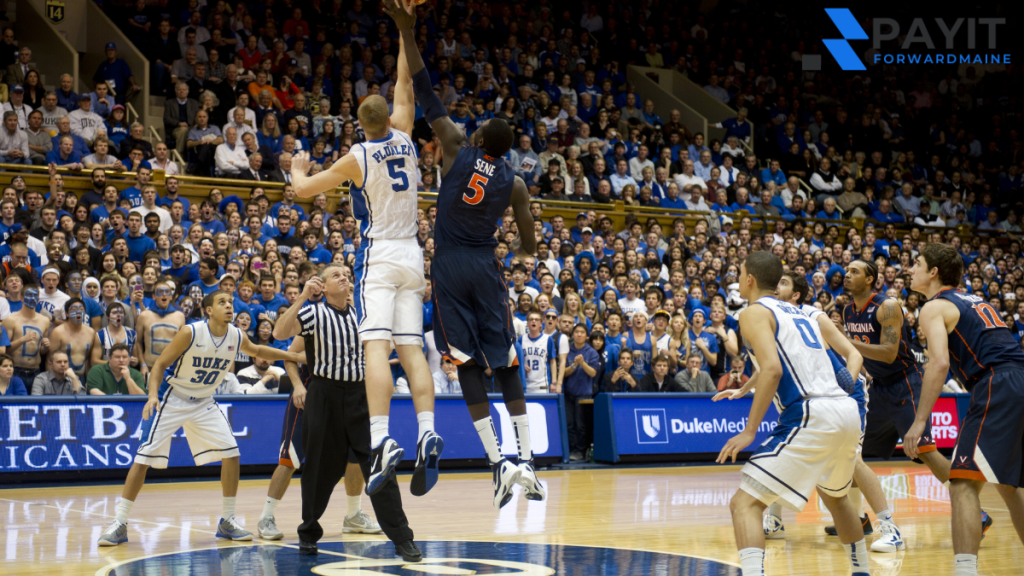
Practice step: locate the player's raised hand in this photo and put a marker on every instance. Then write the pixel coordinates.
(728, 394)
(300, 164)
(401, 12)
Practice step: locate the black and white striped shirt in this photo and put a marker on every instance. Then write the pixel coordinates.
(334, 335)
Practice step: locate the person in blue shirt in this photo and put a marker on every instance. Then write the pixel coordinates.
(171, 185)
(774, 173)
(134, 193)
(738, 126)
(743, 201)
(10, 385)
(885, 215)
(267, 298)
(316, 253)
(288, 202)
(138, 243)
(702, 342)
(115, 72)
(829, 211)
(671, 199)
(64, 155)
(464, 118)
(207, 282)
(210, 223)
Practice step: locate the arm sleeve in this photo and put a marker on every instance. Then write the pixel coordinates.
(422, 87)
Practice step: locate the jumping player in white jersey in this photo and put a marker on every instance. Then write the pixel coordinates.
(389, 273)
(193, 365)
(815, 443)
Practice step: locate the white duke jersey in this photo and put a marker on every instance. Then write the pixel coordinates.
(537, 354)
(811, 311)
(201, 369)
(807, 371)
(386, 203)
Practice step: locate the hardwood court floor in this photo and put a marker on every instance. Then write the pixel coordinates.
(673, 510)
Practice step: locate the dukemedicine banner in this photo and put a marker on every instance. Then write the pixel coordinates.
(637, 425)
(102, 432)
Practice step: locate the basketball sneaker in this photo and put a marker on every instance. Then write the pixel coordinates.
(229, 530)
(532, 488)
(360, 524)
(774, 529)
(383, 460)
(428, 458)
(891, 539)
(506, 474)
(115, 534)
(267, 529)
(864, 521)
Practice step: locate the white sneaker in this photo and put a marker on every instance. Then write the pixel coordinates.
(267, 529)
(505, 476)
(532, 488)
(360, 524)
(891, 539)
(774, 529)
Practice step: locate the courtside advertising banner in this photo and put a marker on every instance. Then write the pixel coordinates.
(102, 432)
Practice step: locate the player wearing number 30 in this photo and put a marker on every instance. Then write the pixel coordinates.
(193, 365)
(389, 273)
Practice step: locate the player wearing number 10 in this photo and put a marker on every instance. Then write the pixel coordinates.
(389, 273)
(193, 365)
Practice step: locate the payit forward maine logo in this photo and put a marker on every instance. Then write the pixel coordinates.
(917, 46)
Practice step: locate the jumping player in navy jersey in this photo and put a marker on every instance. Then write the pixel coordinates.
(472, 324)
(968, 337)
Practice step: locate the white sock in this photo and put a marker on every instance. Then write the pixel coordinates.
(123, 508)
(355, 505)
(228, 507)
(269, 507)
(858, 552)
(884, 516)
(857, 499)
(966, 564)
(426, 421)
(378, 430)
(522, 427)
(775, 509)
(752, 561)
(485, 428)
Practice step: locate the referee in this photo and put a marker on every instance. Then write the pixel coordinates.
(337, 417)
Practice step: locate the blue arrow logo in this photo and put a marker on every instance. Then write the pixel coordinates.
(851, 30)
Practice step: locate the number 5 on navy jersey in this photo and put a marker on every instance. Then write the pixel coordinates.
(476, 183)
(395, 167)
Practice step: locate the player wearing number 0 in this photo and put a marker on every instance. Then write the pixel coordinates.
(389, 283)
(193, 365)
(881, 334)
(815, 443)
(472, 322)
(793, 288)
(967, 337)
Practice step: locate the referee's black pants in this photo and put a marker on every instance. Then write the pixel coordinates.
(336, 419)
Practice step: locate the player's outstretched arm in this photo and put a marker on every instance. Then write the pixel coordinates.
(890, 316)
(268, 353)
(525, 243)
(841, 344)
(403, 113)
(345, 169)
(935, 317)
(451, 136)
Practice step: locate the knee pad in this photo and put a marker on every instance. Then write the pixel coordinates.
(511, 385)
(474, 384)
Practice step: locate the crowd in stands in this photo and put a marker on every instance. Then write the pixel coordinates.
(912, 154)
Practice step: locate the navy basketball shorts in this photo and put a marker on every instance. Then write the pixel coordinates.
(991, 440)
(291, 454)
(472, 320)
(892, 408)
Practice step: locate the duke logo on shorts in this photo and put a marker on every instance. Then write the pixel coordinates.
(815, 443)
(186, 401)
(389, 262)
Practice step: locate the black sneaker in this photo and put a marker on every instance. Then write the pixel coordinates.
(865, 522)
(383, 460)
(308, 548)
(408, 551)
(986, 523)
(428, 457)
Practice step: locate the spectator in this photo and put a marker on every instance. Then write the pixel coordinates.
(64, 154)
(735, 378)
(13, 142)
(658, 380)
(260, 378)
(620, 379)
(580, 374)
(102, 102)
(18, 71)
(85, 123)
(116, 377)
(39, 141)
(67, 98)
(52, 113)
(17, 104)
(692, 378)
(10, 385)
(116, 73)
(161, 160)
(59, 380)
(202, 142)
(230, 157)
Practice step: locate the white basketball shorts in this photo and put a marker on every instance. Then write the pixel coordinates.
(817, 448)
(206, 429)
(389, 290)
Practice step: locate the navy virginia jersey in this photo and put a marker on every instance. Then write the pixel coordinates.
(863, 326)
(473, 197)
(980, 340)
